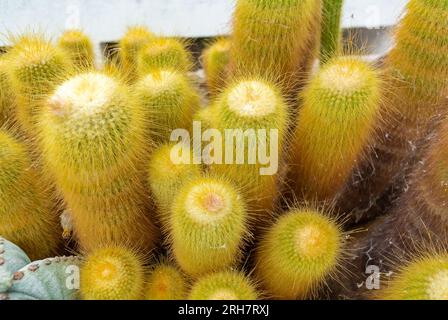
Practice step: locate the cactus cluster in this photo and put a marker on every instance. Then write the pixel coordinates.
(243, 182)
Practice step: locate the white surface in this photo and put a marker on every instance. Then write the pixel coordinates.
(106, 20)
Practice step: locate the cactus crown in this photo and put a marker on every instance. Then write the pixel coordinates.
(164, 53)
(228, 285)
(425, 278)
(112, 273)
(79, 47)
(166, 282)
(299, 253)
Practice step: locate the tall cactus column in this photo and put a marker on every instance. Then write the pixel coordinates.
(93, 138)
(413, 104)
(276, 39)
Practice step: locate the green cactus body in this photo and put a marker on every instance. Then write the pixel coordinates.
(112, 273)
(166, 177)
(227, 285)
(416, 78)
(257, 111)
(216, 59)
(331, 29)
(27, 211)
(166, 282)
(135, 39)
(164, 53)
(207, 226)
(35, 68)
(298, 254)
(170, 101)
(335, 125)
(7, 100)
(93, 140)
(79, 48)
(425, 278)
(276, 39)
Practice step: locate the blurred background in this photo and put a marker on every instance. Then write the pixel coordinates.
(198, 20)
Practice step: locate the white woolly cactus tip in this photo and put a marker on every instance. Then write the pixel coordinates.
(83, 95)
(252, 99)
(438, 286)
(348, 75)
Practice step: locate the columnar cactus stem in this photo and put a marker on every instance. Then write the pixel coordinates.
(276, 39)
(27, 212)
(35, 68)
(335, 126)
(135, 39)
(164, 53)
(208, 225)
(331, 37)
(416, 78)
(170, 101)
(216, 60)
(249, 106)
(93, 136)
(79, 48)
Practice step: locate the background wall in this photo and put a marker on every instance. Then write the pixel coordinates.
(106, 20)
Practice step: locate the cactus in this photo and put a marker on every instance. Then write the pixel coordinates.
(93, 138)
(207, 226)
(298, 254)
(49, 279)
(166, 177)
(169, 99)
(135, 39)
(424, 278)
(27, 212)
(252, 105)
(79, 48)
(7, 100)
(112, 273)
(416, 78)
(216, 60)
(335, 126)
(164, 53)
(276, 39)
(226, 285)
(331, 29)
(166, 282)
(35, 68)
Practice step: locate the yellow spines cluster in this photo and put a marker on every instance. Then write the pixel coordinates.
(423, 278)
(166, 282)
(27, 213)
(336, 124)
(35, 68)
(225, 285)
(298, 254)
(93, 136)
(164, 53)
(112, 273)
(166, 177)
(208, 226)
(216, 59)
(7, 100)
(79, 48)
(258, 113)
(135, 39)
(278, 39)
(170, 101)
